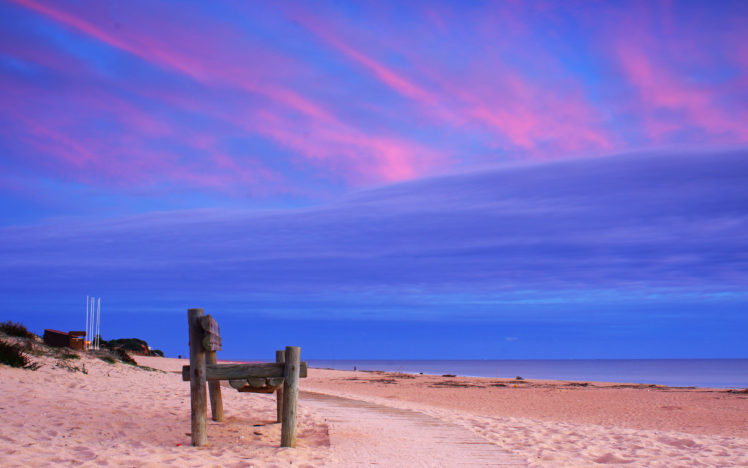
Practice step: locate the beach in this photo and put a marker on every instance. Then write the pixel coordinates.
(122, 415)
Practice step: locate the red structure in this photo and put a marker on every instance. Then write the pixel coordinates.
(60, 339)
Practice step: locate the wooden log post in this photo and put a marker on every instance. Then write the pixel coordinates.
(197, 379)
(280, 358)
(290, 396)
(214, 390)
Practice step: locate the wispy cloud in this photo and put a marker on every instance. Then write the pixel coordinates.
(273, 99)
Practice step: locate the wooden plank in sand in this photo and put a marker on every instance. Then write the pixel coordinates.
(243, 371)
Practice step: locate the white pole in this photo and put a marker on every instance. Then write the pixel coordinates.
(91, 322)
(98, 323)
(86, 333)
(89, 332)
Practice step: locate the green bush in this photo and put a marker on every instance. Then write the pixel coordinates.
(70, 356)
(129, 344)
(108, 359)
(15, 329)
(12, 355)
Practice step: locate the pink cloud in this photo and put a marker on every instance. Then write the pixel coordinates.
(515, 109)
(387, 157)
(689, 103)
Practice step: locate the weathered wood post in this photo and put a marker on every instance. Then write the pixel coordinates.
(211, 344)
(197, 378)
(290, 396)
(280, 357)
(214, 389)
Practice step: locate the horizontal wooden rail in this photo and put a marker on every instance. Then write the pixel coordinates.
(242, 371)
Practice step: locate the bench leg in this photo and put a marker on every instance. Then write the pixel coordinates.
(214, 390)
(280, 357)
(290, 396)
(197, 379)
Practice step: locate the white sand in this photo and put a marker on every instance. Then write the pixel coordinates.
(118, 415)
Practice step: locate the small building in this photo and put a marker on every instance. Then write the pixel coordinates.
(60, 339)
(77, 340)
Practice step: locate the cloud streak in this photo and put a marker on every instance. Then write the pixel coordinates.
(659, 222)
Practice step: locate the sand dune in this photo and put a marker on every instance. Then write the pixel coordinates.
(120, 415)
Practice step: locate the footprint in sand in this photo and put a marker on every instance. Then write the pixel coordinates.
(610, 459)
(679, 443)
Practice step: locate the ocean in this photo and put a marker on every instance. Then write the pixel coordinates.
(716, 373)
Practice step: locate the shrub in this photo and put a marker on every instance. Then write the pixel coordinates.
(124, 356)
(129, 344)
(12, 355)
(71, 368)
(15, 329)
(108, 359)
(157, 352)
(70, 356)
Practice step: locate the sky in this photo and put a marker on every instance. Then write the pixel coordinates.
(414, 180)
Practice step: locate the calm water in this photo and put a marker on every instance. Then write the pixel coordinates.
(721, 373)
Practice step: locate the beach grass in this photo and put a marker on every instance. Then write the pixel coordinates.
(13, 355)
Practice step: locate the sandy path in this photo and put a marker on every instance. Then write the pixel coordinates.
(367, 434)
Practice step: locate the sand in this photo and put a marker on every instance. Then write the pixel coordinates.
(120, 415)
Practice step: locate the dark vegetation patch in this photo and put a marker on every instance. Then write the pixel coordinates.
(519, 378)
(498, 384)
(400, 375)
(124, 356)
(383, 381)
(455, 383)
(71, 368)
(132, 345)
(108, 359)
(449, 375)
(578, 384)
(637, 386)
(72, 356)
(16, 329)
(742, 391)
(12, 355)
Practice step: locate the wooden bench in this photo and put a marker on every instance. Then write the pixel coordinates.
(281, 377)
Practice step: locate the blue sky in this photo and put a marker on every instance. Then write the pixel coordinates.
(496, 180)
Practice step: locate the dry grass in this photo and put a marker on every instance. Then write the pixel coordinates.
(12, 355)
(15, 329)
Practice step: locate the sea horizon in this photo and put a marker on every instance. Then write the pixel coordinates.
(672, 372)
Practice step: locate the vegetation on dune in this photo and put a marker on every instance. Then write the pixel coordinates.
(13, 352)
(15, 329)
(124, 356)
(63, 364)
(128, 344)
(12, 355)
